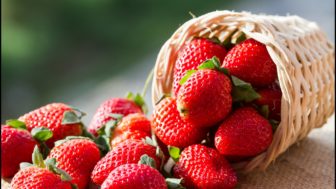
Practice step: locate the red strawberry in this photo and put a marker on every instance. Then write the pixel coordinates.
(51, 116)
(112, 106)
(131, 176)
(244, 133)
(271, 98)
(129, 151)
(205, 98)
(17, 146)
(171, 129)
(38, 178)
(192, 55)
(250, 61)
(77, 157)
(133, 126)
(202, 167)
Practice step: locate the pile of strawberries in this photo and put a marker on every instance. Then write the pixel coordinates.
(224, 108)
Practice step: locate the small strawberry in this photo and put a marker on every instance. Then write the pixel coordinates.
(272, 99)
(132, 126)
(171, 129)
(112, 106)
(129, 151)
(41, 175)
(129, 176)
(77, 156)
(204, 99)
(17, 146)
(244, 133)
(250, 61)
(192, 55)
(58, 117)
(202, 167)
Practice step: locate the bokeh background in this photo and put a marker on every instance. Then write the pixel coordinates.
(85, 51)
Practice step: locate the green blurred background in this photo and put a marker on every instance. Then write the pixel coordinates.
(63, 50)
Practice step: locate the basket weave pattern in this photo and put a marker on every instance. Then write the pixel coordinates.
(305, 64)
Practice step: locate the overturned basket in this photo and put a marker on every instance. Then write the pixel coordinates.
(305, 64)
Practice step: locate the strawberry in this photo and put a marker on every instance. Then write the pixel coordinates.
(54, 117)
(192, 55)
(272, 99)
(171, 129)
(132, 126)
(77, 156)
(205, 99)
(129, 151)
(250, 61)
(244, 133)
(17, 146)
(202, 167)
(112, 106)
(129, 176)
(38, 178)
(41, 174)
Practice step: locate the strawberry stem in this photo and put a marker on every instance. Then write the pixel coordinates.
(148, 79)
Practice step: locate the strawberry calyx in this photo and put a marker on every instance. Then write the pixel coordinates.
(174, 152)
(41, 135)
(138, 100)
(242, 91)
(159, 153)
(146, 160)
(212, 63)
(14, 123)
(174, 183)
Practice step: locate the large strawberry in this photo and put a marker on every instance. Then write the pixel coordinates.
(131, 176)
(192, 55)
(129, 151)
(272, 99)
(77, 156)
(58, 117)
(17, 146)
(250, 61)
(112, 106)
(204, 99)
(132, 126)
(41, 175)
(244, 133)
(202, 167)
(171, 129)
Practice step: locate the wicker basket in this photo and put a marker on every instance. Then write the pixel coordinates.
(305, 64)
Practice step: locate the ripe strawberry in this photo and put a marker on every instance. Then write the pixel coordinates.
(244, 133)
(130, 176)
(251, 62)
(17, 146)
(192, 55)
(202, 167)
(38, 178)
(132, 126)
(271, 98)
(112, 106)
(129, 151)
(205, 98)
(76, 156)
(171, 129)
(52, 116)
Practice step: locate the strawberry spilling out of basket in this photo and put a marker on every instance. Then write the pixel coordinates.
(224, 107)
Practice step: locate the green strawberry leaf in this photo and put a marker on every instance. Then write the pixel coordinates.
(103, 144)
(81, 113)
(109, 127)
(16, 124)
(50, 164)
(138, 100)
(174, 183)
(38, 158)
(213, 64)
(264, 111)
(149, 141)
(64, 175)
(41, 134)
(274, 124)
(86, 133)
(70, 117)
(243, 91)
(186, 76)
(146, 160)
(74, 186)
(24, 165)
(117, 116)
(174, 152)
